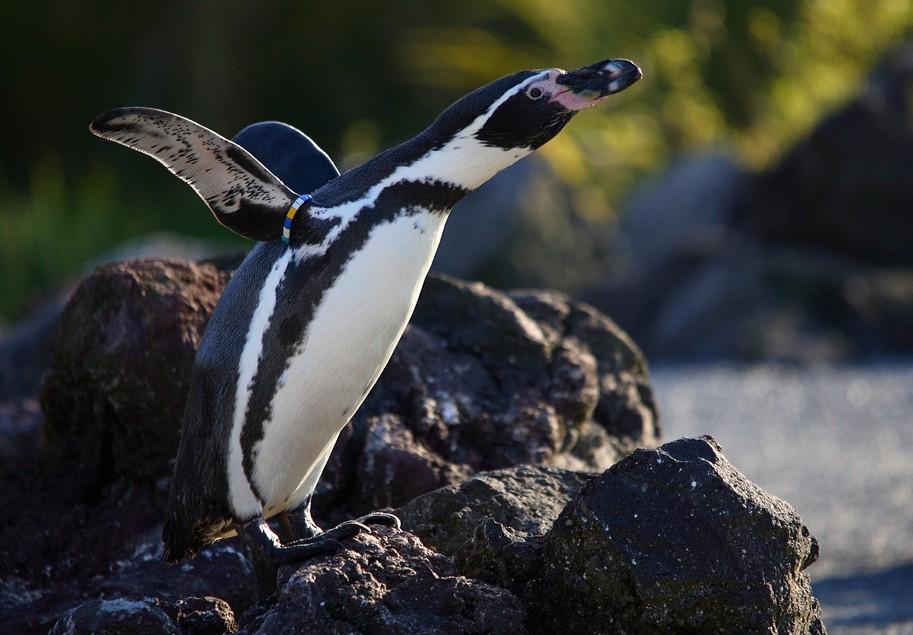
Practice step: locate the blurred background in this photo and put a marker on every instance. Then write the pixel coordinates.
(745, 211)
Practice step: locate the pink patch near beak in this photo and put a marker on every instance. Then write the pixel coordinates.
(573, 101)
(562, 94)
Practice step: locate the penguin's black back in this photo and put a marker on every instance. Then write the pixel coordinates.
(198, 507)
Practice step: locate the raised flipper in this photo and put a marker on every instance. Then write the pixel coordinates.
(241, 192)
(289, 154)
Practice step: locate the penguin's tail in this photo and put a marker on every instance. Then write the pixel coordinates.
(185, 533)
(178, 536)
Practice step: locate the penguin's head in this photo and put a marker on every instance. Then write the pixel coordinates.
(522, 111)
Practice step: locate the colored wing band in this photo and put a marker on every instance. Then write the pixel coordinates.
(290, 216)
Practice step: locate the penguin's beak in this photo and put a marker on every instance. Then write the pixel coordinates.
(595, 82)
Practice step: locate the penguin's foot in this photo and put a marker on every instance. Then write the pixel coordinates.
(267, 542)
(331, 539)
(268, 551)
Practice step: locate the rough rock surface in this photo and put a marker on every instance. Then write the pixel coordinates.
(387, 582)
(667, 540)
(122, 358)
(482, 381)
(149, 615)
(526, 500)
(677, 540)
(493, 524)
(671, 540)
(144, 616)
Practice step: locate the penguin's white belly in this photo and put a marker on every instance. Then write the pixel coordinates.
(346, 346)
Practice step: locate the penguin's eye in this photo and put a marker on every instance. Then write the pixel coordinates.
(534, 92)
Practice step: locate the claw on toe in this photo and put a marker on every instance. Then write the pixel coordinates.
(356, 525)
(381, 518)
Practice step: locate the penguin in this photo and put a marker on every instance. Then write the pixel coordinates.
(311, 317)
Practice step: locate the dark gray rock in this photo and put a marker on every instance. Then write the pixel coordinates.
(122, 357)
(493, 523)
(119, 616)
(107, 559)
(524, 227)
(677, 540)
(846, 188)
(204, 616)
(526, 500)
(667, 540)
(25, 348)
(481, 380)
(387, 582)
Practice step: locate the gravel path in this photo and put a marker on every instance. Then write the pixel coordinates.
(837, 443)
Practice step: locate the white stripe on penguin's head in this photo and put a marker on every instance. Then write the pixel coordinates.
(468, 159)
(480, 121)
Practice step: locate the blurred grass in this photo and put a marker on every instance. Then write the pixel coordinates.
(51, 231)
(748, 77)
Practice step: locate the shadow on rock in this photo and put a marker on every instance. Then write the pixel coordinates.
(877, 600)
(386, 582)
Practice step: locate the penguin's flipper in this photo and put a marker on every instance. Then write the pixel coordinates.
(289, 154)
(242, 194)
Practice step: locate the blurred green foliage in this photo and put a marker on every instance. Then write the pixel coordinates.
(748, 76)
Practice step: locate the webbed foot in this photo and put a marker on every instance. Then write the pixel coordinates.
(268, 551)
(269, 544)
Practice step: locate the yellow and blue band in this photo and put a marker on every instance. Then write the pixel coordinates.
(290, 216)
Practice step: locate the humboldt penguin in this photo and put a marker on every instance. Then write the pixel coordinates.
(311, 317)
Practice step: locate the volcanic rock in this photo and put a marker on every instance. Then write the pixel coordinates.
(677, 540)
(526, 500)
(122, 357)
(386, 582)
(190, 616)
